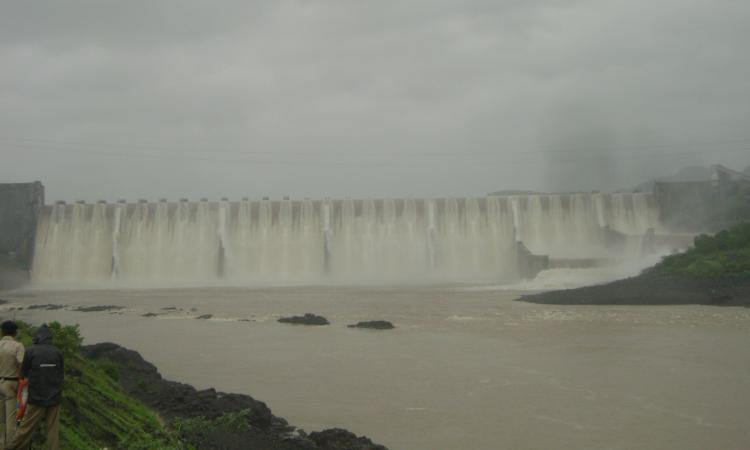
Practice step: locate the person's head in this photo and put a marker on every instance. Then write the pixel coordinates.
(8, 328)
(43, 335)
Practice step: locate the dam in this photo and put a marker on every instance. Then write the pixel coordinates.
(320, 241)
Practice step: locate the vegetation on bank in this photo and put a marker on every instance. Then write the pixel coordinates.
(726, 255)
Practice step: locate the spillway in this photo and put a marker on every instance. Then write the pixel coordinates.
(319, 241)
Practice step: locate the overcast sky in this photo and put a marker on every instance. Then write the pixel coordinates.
(149, 99)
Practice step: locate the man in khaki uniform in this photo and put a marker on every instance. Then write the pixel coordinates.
(11, 357)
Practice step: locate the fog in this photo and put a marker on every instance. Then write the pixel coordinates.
(328, 163)
(367, 99)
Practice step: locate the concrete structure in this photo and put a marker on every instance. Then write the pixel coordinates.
(494, 237)
(697, 206)
(529, 264)
(20, 204)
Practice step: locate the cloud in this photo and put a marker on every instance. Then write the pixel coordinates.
(424, 98)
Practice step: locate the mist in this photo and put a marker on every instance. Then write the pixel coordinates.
(413, 224)
(101, 100)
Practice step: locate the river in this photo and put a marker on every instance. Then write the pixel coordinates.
(466, 368)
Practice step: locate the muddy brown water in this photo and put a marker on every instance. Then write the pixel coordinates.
(466, 368)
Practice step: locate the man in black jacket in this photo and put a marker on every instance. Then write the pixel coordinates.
(43, 366)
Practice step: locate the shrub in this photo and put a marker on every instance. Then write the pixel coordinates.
(725, 255)
(67, 338)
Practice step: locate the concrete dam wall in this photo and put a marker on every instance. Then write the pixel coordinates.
(318, 241)
(20, 204)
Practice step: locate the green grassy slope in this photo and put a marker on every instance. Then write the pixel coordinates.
(96, 412)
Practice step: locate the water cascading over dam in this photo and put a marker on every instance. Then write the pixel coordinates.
(318, 241)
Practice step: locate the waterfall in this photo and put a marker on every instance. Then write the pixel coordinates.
(572, 225)
(313, 241)
(115, 267)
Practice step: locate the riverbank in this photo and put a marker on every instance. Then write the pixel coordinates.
(716, 272)
(113, 398)
(650, 289)
(207, 419)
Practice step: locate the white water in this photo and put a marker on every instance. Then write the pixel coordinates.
(250, 242)
(571, 225)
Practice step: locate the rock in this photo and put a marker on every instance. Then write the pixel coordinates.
(339, 439)
(150, 314)
(650, 289)
(141, 379)
(307, 319)
(175, 400)
(99, 308)
(47, 307)
(719, 298)
(205, 316)
(206, 394)
(374, 325)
